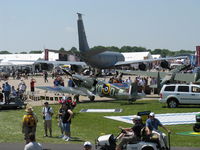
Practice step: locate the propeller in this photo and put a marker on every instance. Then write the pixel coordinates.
(67, 72)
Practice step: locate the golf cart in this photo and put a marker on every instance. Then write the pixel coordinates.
(15, 102)
(108, 142)
(146, 142)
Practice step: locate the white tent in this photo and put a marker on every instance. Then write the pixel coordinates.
(129, 56)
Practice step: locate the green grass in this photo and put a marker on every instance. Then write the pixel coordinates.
(88, 126)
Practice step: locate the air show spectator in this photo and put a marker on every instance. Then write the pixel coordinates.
(47, 112)
(32, 144)
(7, 90)
(87, 146)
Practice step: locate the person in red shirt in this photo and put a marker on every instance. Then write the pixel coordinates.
(32, 85)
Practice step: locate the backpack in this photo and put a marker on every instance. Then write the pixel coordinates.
(30, 120)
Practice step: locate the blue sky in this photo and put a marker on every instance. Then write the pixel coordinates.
(27, 25)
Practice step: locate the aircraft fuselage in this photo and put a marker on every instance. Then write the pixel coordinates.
(105, 60)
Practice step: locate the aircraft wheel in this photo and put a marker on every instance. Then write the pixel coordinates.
(196, 127)
(91, 98)
(76, 98)
(172, 103)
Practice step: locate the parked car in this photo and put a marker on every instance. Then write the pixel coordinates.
(177, 94)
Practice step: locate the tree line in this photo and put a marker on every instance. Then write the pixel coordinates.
(162, 52)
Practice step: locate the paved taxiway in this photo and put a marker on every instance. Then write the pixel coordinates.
(20, 146)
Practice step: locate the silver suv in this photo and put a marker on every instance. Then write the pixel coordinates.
(176, 94)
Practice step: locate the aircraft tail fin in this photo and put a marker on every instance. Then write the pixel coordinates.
(83, 44)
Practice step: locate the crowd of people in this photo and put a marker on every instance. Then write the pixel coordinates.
(9, 93)
(64, 116)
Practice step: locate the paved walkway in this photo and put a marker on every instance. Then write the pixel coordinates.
(20, 146)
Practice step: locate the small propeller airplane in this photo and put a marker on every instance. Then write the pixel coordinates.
(91, 87)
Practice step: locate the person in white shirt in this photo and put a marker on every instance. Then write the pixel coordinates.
(32, 145)
(129, 80)
(47, 112)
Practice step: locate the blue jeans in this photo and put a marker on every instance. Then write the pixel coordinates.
(66, 127)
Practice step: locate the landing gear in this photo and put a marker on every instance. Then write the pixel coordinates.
(76, 98)
(91, 98)
(196, 126)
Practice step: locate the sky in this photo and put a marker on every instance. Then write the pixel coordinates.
(27, 25)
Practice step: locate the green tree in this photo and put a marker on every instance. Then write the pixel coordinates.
(35, 52)
(62, 49)
(5, 52)
(23, 52)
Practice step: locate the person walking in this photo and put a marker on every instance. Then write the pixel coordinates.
(29, 123)
(32, 86)
(47, 113)
(45, 76)
(32, 144)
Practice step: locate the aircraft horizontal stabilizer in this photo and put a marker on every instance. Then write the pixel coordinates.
(143, 73)
(187, 77)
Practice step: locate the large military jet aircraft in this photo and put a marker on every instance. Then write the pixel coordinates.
(91, 87)
(101, 59)
(167, 77)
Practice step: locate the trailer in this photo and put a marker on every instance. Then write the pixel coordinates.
(14, 104)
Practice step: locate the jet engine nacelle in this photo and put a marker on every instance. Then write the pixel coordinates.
(164, 64)
(142, 66)
(77, 68)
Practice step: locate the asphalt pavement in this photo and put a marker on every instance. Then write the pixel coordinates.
(47, 146)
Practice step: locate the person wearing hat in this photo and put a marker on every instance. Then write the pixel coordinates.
(152, 124)
(47, 112)
(131, 134)
(29, 123)
(87, 146)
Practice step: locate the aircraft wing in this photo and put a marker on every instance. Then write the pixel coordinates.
(144, 73)
(119, 63)
(52, 62)
(69, 90)
(187, 77)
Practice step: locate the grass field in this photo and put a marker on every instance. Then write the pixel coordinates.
(88, 126)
